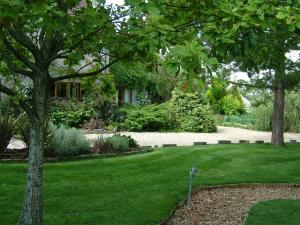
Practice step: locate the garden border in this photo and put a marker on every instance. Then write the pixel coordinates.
(81, 157)
(148, 149)
(223, 186)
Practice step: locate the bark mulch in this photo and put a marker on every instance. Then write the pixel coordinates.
(229, 205)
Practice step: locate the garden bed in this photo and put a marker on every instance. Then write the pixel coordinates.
(229, 204)
(22, 154)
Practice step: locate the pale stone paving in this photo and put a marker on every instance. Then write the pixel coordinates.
(187, 139)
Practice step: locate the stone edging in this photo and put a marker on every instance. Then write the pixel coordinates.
(242, 185)
(224, 142)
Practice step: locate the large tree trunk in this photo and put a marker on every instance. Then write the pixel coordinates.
(33, 202)
(278, 115)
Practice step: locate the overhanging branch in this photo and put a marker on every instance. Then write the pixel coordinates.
(251, 85)
(81, 75)
(18, 55)
(25, 41)
(76, 45)
(23, 72)
(7, 90)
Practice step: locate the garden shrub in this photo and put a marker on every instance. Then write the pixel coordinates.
(115, 143)
(69, 142)
(235, 91)
(200, 119)
(71, 118)
(120, 143)
(146, 118)
(231, 105)
(193, 112)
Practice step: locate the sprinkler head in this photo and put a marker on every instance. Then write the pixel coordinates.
(193, 171)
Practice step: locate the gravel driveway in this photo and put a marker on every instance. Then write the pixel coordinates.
(187, 139)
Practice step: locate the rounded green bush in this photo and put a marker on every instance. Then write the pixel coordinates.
(200, 119)
(231, 105)
(120, 143)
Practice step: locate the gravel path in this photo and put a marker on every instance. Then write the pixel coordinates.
(187, 139)
(228, 205)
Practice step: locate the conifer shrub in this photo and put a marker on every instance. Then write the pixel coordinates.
(193, 112)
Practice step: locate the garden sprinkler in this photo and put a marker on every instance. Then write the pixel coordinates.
(193, 172)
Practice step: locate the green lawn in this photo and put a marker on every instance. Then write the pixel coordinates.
(276, 212)
(141, 189)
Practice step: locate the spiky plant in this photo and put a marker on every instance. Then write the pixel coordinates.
(7, 128)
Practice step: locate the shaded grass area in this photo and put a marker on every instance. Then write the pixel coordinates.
(142, 189)
(275, 212)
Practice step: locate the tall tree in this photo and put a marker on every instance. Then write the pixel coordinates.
(256, 35)
(37, 36)
(268, 31)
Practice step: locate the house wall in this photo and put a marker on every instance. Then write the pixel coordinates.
(128, 96)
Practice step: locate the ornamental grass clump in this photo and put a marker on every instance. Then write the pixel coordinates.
(23, 130)
(262, 117)
(69, 142)
(102, 145)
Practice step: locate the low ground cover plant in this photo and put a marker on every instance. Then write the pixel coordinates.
(243, 121)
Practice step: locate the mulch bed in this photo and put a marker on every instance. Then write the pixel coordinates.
(22, 154)
(228, 205)
(14, 154)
